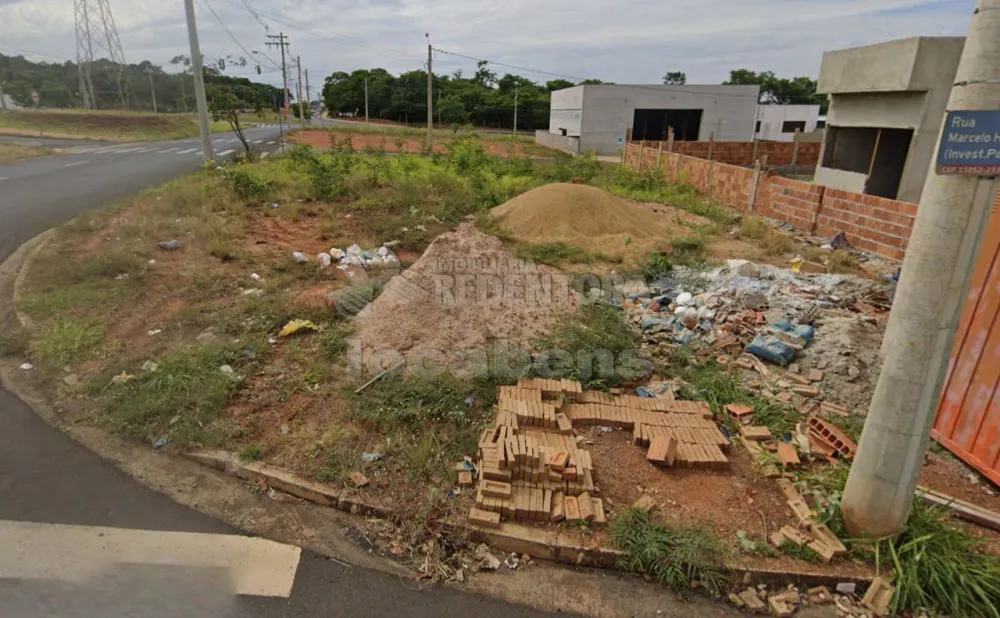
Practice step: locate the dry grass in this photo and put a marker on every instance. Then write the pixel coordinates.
(15, 152)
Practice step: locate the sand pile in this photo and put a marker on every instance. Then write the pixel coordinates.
(465, 292)
(586, 217)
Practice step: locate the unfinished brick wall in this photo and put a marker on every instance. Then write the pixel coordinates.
(742, 153)
(871, 223)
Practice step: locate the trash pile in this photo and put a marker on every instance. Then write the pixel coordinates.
(875, 602)
(354, 256)
(824, 322)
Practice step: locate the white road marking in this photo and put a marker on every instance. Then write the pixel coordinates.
(145, 150)
(258, 141)
(124, 151)
(271, 142)
(226, 152)
(3, 178)
(265, 155)
(35, 551)
(188, 151)
(170, 149)
(75, 164)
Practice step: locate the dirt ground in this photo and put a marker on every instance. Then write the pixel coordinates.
(391, 142)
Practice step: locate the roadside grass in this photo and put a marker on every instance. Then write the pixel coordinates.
(91, 124)
(16, 152)
(770, 240)
(63, 342)
(671, 554)
(14, 340)
(595, 346)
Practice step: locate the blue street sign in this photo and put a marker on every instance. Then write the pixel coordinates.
(970, 144)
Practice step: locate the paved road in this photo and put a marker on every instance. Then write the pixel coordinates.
(58, 500)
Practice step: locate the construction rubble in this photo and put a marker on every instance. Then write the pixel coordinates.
(822, 328)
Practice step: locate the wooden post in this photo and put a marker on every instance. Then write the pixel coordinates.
(659, 154)
(670, 139)
(752, 194)
(795, 149)
(711, 144)
(711, 176)
(756, 145)
(763, 162)
(642, 152)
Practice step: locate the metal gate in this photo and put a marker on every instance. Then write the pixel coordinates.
(968, 417)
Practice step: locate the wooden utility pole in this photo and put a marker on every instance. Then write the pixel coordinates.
(282, 42)
(308, 97)
(515, 108)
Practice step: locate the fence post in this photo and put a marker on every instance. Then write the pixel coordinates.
(795, 149)
(711, 177)
(819, 209)
(670, 139)
(624, 152)
(752, 194)
(756, 145)
(659, 155)
(642, 153)
(711, 144)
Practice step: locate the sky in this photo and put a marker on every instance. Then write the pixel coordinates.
(625, 41)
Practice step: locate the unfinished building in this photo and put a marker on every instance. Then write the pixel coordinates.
(887, 103)
(602, 118)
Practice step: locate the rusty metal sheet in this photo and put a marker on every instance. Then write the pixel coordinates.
(968, 417)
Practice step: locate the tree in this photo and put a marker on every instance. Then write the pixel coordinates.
(225, 105)
(558, 84)
(780, 90)
(675, 78)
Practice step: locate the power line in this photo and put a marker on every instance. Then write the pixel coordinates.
(256, 16)
(233, 36)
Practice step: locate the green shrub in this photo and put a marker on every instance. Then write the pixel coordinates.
(245, 183)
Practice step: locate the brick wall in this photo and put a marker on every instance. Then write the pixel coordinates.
(871, 223)
(741, 153)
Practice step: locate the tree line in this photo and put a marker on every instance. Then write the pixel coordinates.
(483, 99)
(773, 89)
(58, 84)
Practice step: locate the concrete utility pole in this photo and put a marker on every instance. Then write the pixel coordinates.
(3, 99)
(184, 96)
(367, 120)
(152, 91)
(308, 97)
(515, 108)
(199, 83)
(921, 330)
(298, 89)
(282, 42)
(430, 95)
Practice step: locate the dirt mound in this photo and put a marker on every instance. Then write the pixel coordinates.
(465, 292)
(586, 217)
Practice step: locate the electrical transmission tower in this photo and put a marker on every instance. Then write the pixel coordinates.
(96, 33)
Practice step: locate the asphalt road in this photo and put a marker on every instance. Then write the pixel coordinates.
(49, 479)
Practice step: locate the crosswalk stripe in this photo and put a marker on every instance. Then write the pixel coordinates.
(258, 141)
(74, 164)
(35, 551)
(145, 150)
(188, 151)
(226, 152)
(124, 151)
(169, 150)
(265, 155)
(271, 142)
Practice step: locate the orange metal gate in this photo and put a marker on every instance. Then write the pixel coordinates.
(968, 417)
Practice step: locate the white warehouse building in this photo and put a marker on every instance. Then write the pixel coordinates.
(778, 123)
(601, 118)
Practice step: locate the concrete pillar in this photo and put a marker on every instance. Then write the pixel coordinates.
(795, 149)
(711, 145)
(921, 329)
(670, 139)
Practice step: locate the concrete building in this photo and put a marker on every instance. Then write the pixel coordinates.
(601, 118)
(778, 123)
(887, 103)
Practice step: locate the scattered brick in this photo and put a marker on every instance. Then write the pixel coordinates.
(736, 600)
(777, 538)
(756, 433)
(820, 595)
(586, 505)
(826, 536)
(879, 596)
(559, 461)
(832, 408)
(562, 421)
(359, 480)
(751, 600)
(800, 380)
(815, 375)
(739, 410)
(806, 391)
(478, 517)
(787, 454)
(794, 535)
(570, 473)
(779, 607)
(464, 478)
(600, 517)
(572, 509)
(832, 435)
(558, 504)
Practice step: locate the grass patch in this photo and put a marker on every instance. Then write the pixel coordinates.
(63, 342)
(560, 253)
(596, 346)
(252, 453)
(15, 152)
(94, 124)
(183, 399)
(940, 567)
(14, 340)
(672, 555)
(689, 250)
(800, 552)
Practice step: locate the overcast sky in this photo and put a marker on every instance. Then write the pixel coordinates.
(625, 41)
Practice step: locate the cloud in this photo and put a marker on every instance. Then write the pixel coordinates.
(630, 41)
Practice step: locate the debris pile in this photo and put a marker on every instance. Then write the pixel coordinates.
(586, 217)
(473, 291)
(533, 469)
(821, 327)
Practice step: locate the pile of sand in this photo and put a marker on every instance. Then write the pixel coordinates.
(504, 298)
(585, 217)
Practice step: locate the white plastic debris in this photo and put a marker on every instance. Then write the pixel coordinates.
(154, 332)
(252, 292)
(27, 367)
(422, 228)
(383, 251)
(228, 370)
(152, 262)
(324, 259)
(678, 311)
(684, 299)
(300, 257)
(256, 277)
(337, 254)
(391, 244)
(149, 366)
(354, 250)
